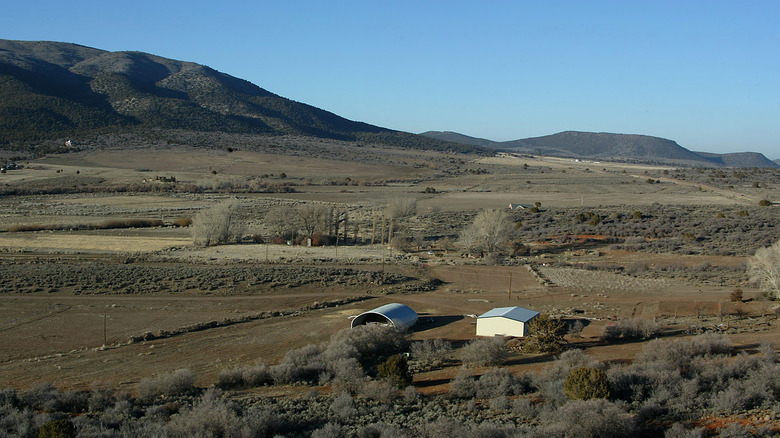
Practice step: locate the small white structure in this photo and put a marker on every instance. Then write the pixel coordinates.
(520, 206)
(396, 314)
(505, 321)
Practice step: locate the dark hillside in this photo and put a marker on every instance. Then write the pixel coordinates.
(51, 90)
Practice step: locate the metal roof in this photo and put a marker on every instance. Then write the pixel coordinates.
(516, 313)
(400, 316)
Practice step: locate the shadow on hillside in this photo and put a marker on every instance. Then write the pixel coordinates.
(426, 322)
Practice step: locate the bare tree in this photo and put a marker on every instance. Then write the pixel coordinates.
(282, 222)
(446, 243)
(339, 222)
(764, 269)
(312, 218)
(216, 225)
(490, 232)
(401, 207)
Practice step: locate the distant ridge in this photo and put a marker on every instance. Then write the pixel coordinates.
(459, 138)
(740, 159)
(609, 146)
(51, 90)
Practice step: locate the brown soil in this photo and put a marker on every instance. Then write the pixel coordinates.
(58, 337)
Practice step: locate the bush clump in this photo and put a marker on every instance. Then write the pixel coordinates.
(431, 353)
(343, 360)
(586, 383)
(179, 382)
(484, 351)
(588, 418)
(627, 329)
(243, 377)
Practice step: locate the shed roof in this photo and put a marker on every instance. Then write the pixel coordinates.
(400, 316)
(516, 313)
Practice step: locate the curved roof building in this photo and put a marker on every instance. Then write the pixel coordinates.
(398, 315)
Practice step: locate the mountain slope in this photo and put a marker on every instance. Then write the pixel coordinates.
(51, 90)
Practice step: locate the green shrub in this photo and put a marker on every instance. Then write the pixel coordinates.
(396, 370)
(545, 335)
(586, 383)
(57, 429)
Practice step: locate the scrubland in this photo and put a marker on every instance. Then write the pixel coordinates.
(115, 324)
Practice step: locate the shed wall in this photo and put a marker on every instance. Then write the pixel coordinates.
(500, 326)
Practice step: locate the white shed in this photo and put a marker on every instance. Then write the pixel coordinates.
(396, 314)
(505, 321)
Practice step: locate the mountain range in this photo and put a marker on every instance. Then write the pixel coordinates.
(57, 90)
(608, 146)
(53, 91)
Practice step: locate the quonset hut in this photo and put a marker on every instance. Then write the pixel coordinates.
(396, 314)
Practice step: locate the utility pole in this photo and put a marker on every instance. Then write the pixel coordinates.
(510, 285)
(105, 317)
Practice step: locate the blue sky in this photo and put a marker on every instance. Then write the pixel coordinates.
(705, 74)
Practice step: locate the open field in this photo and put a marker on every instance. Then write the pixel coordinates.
(58, 336)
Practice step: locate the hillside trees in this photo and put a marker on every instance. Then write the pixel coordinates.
(764, 268)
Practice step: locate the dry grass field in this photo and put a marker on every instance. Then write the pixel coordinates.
(56, 333)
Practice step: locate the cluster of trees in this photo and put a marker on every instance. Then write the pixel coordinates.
(322, 223)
